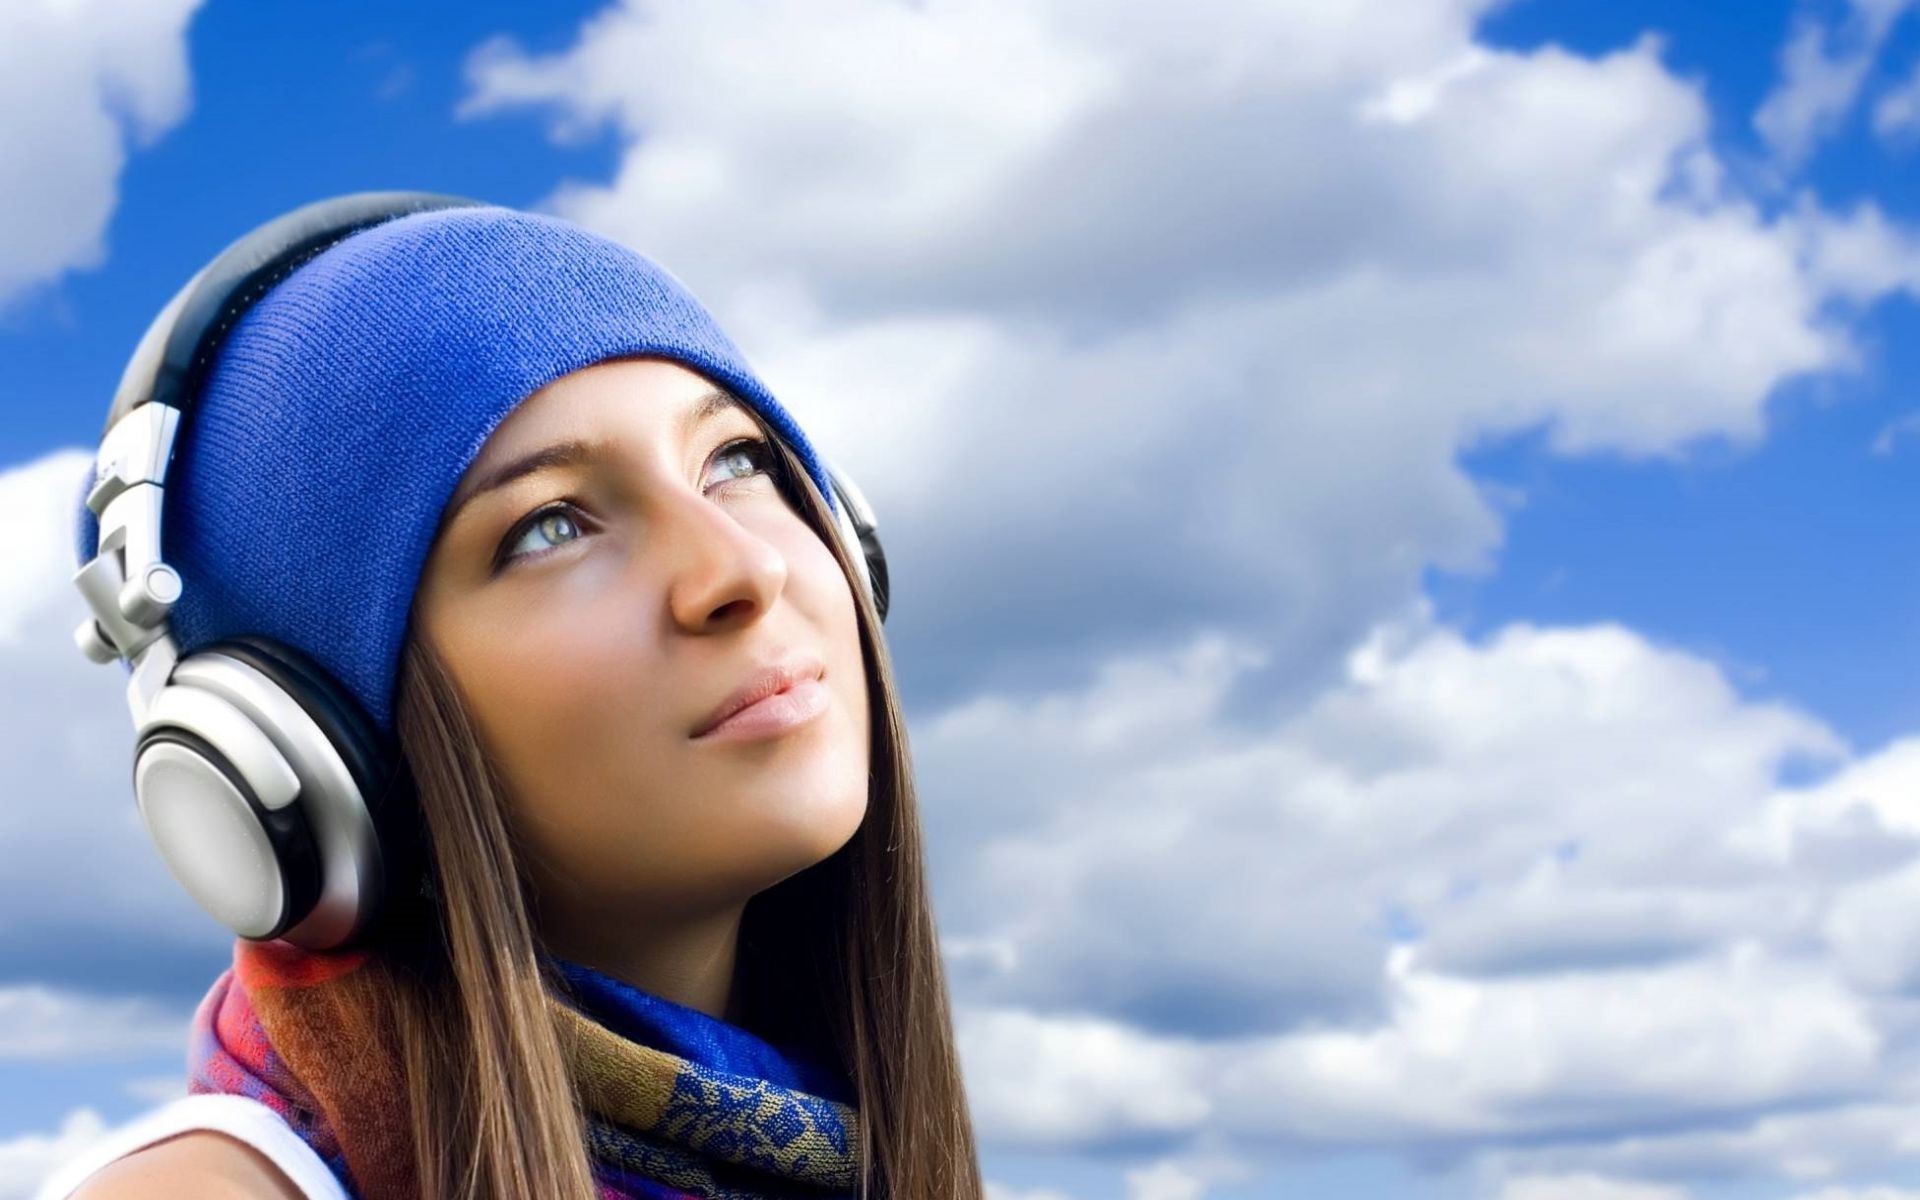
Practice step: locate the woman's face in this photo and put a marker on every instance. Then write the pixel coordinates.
(636, 589)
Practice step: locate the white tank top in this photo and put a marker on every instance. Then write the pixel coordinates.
(236, 1116)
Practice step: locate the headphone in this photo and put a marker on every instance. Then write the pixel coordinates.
(268, 790)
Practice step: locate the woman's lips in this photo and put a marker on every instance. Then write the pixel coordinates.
(779, 713)
(771, 677)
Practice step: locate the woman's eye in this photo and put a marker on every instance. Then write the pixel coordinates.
(555, 523)
(752, 450)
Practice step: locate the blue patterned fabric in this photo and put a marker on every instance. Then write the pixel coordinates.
(655, 1021)
(685, 1104)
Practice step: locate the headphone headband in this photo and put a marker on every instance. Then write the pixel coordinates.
(171, 361)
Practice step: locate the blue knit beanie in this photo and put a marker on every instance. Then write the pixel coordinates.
(346, 404)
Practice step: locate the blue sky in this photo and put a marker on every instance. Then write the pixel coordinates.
(1779, 558)
(1419, 698)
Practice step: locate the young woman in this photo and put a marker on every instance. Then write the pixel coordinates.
(510, 487)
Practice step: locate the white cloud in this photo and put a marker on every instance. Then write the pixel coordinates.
(155, 1089)
(1823, 67)
(1058, 258)
(1131, 848)
(1902, 427)
(1860, 256)
(46, 1023)
(999, 1191)
(1189, 1176)
(1565, 1053)
(1822, 1144)
(40, 499)
(1896, 114)
(26, 1159)
(80, 80)
(85, 896)
(1586, 1187)
(1457, 1060)
(1873, 933)
(1063, 1080)
(1623, 947)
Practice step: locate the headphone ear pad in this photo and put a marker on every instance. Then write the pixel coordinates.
(255, 868)
(370, 758)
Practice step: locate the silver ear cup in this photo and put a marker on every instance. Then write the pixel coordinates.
(210, 838)
(853, 517)
(333, 805)
(222, 806)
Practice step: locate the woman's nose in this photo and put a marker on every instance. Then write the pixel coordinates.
(721, 570)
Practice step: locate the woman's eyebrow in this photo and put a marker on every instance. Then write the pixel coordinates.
(569, 453)
(575, 451)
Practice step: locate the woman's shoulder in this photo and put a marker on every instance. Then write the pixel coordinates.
(200, 1146)
(198, 1163)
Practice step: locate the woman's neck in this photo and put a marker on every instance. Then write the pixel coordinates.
(693, 961)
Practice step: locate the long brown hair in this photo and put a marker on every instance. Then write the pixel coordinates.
(843, 954)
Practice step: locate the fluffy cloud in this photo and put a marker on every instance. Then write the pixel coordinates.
(1458, 1061)
(1145, 295)
(43, 1023)
(79, 81)
(1540, 898)
(1185, 1177)
(1896, 114)
(86, 899)
(1822, 70)
(999, 1191)
(28, 1158)
(1128, 848)
(1814, 1145)
(1570, 1052)
(1585, 1187)
(1077, 1080)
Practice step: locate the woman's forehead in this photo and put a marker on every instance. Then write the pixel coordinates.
(642, 391)
(627, 401)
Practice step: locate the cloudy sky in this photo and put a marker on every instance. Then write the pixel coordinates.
(1401, 516)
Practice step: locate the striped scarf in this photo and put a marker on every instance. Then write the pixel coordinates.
(680, 1105)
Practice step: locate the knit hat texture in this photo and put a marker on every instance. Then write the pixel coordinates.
(345, 405)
